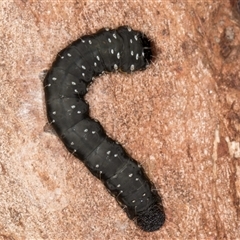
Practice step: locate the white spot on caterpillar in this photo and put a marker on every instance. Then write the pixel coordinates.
(83, 74)
(97, 165)
(53, 121)
(143, 54)
(136, 37)
(131, 41)
(72, 143)
(86, 130)
(108, 152)
(137, 179)
(93, 132)
(83, 41)
(112, 51)
(78, 112)
(83, 67)
(119, 185)
(107, 29)
(54, 112)
(54, 78)
(115, 155)
(144, 194)
(73, 106)
(129, 29)
(73, 83)
(90, 42)
(114, 35)
(118, 55)
(109, 40)
(130, 175)
(137, 56)
(133, 201)
(75, 90)
(115, 66)
(95, 64)
(62, 57)
(98, 58)
(132, 67)
(69, 54)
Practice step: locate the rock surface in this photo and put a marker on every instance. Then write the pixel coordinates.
(180, 118)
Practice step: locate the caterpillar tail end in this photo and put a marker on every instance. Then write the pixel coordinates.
(152, 219)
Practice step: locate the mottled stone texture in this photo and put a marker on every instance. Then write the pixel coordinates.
(180, 118)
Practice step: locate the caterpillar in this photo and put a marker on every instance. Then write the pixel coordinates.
(65, 85)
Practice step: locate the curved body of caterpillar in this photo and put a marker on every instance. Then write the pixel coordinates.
(65, 86)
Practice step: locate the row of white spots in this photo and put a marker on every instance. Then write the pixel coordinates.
(144, 194)
(132, 67)
(136, 179)
(121, 191)
(115, 66)
(83, 67)
(55, 112)
(85, 130)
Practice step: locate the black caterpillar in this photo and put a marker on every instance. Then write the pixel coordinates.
(65, 86)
